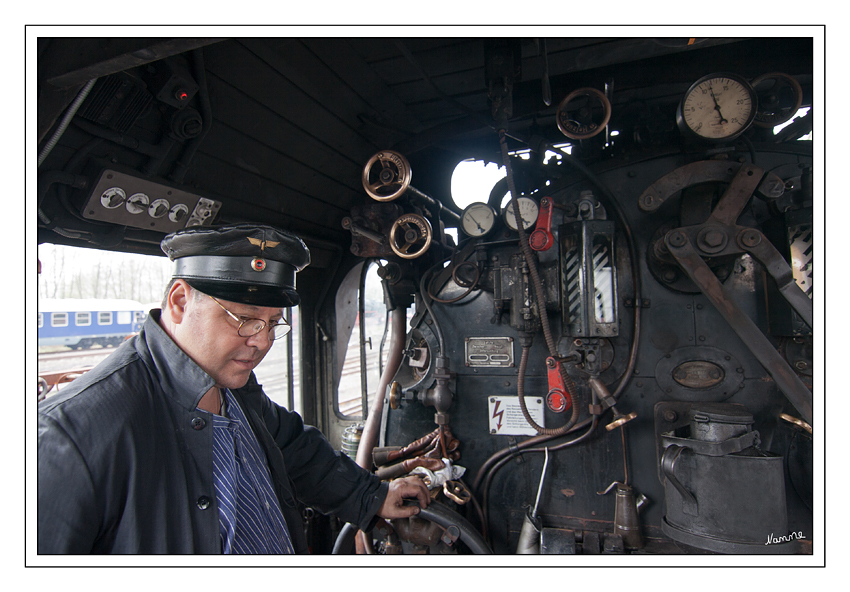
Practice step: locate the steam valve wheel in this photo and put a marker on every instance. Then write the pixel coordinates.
(410, 236)
(386, 176)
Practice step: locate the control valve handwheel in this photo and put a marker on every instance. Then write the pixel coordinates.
(410, 236)
(386, 176)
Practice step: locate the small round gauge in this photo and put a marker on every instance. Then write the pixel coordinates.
(477, 219)
(779, 96)
(717, 107)
(528, 212)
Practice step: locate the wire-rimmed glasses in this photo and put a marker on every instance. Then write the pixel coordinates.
(249, 327)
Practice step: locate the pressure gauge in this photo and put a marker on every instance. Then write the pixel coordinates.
(477, 219)
(717, 107)
(528, 212)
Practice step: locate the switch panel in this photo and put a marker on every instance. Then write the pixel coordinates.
(129, 200)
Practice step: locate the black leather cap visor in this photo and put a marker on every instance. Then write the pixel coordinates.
(241, 263)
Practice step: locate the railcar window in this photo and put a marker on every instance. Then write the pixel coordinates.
(104, 318)
(59, 319)
(40, 320)
(83, 319)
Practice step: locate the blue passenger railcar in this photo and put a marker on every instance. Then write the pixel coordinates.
(79, 323)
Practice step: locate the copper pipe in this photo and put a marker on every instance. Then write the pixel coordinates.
(369, 439)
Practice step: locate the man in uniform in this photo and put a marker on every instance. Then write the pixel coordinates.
(171, 446)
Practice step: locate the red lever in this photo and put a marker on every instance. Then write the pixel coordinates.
(541, 238)
(558, 400)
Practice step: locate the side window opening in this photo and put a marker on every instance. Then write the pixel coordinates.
(279, 373)
(362, 323)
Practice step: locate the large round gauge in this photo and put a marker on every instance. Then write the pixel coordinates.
(717, 107)
(528, 212)
(477, 219)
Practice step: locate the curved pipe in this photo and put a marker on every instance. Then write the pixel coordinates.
(445, 517)
(344, 540)
(541, 304)
(486, 486)
(371, 429)
(369, 439)
(436, 513)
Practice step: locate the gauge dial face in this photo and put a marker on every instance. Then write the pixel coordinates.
(477, 219)
(528, 212)
(718, 107)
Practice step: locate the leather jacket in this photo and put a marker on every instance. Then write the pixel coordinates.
(125, 458)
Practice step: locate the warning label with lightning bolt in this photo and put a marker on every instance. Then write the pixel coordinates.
(506, 418)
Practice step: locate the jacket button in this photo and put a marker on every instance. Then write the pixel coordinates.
(198, 423)
(203, 502)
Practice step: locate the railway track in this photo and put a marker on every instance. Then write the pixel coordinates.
(58, 367)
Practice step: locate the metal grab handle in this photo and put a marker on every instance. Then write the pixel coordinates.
(668, 468)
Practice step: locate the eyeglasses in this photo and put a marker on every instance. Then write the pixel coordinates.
(250, 327)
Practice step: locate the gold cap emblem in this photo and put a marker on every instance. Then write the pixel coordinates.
(263, 243)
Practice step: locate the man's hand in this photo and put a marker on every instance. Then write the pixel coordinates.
(409, 487)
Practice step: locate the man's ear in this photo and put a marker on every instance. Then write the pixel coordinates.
(178, 299)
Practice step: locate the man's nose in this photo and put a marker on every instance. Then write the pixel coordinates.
(261, 340)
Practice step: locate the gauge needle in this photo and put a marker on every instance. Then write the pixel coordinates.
(717, 106)
(476, 223)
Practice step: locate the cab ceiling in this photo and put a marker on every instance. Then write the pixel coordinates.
(295, 120)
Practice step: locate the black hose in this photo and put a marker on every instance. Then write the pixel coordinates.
(436, 513)
(345, 540)
(492, 471)
(445, 517)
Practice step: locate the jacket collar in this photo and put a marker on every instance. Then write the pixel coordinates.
(178, 375)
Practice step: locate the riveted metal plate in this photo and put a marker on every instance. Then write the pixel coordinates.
(492, 352)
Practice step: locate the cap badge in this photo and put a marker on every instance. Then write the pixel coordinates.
(258, 264)
(263, 243)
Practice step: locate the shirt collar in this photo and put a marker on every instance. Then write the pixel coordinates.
(179, 377)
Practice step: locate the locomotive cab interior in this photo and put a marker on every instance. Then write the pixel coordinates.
(612, 350)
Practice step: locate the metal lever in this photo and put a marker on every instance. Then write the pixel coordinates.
(558, 399)
(541, 238)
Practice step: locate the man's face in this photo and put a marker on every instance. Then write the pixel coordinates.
(209, 336)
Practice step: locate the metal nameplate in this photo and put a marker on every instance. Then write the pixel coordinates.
(492, 352)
